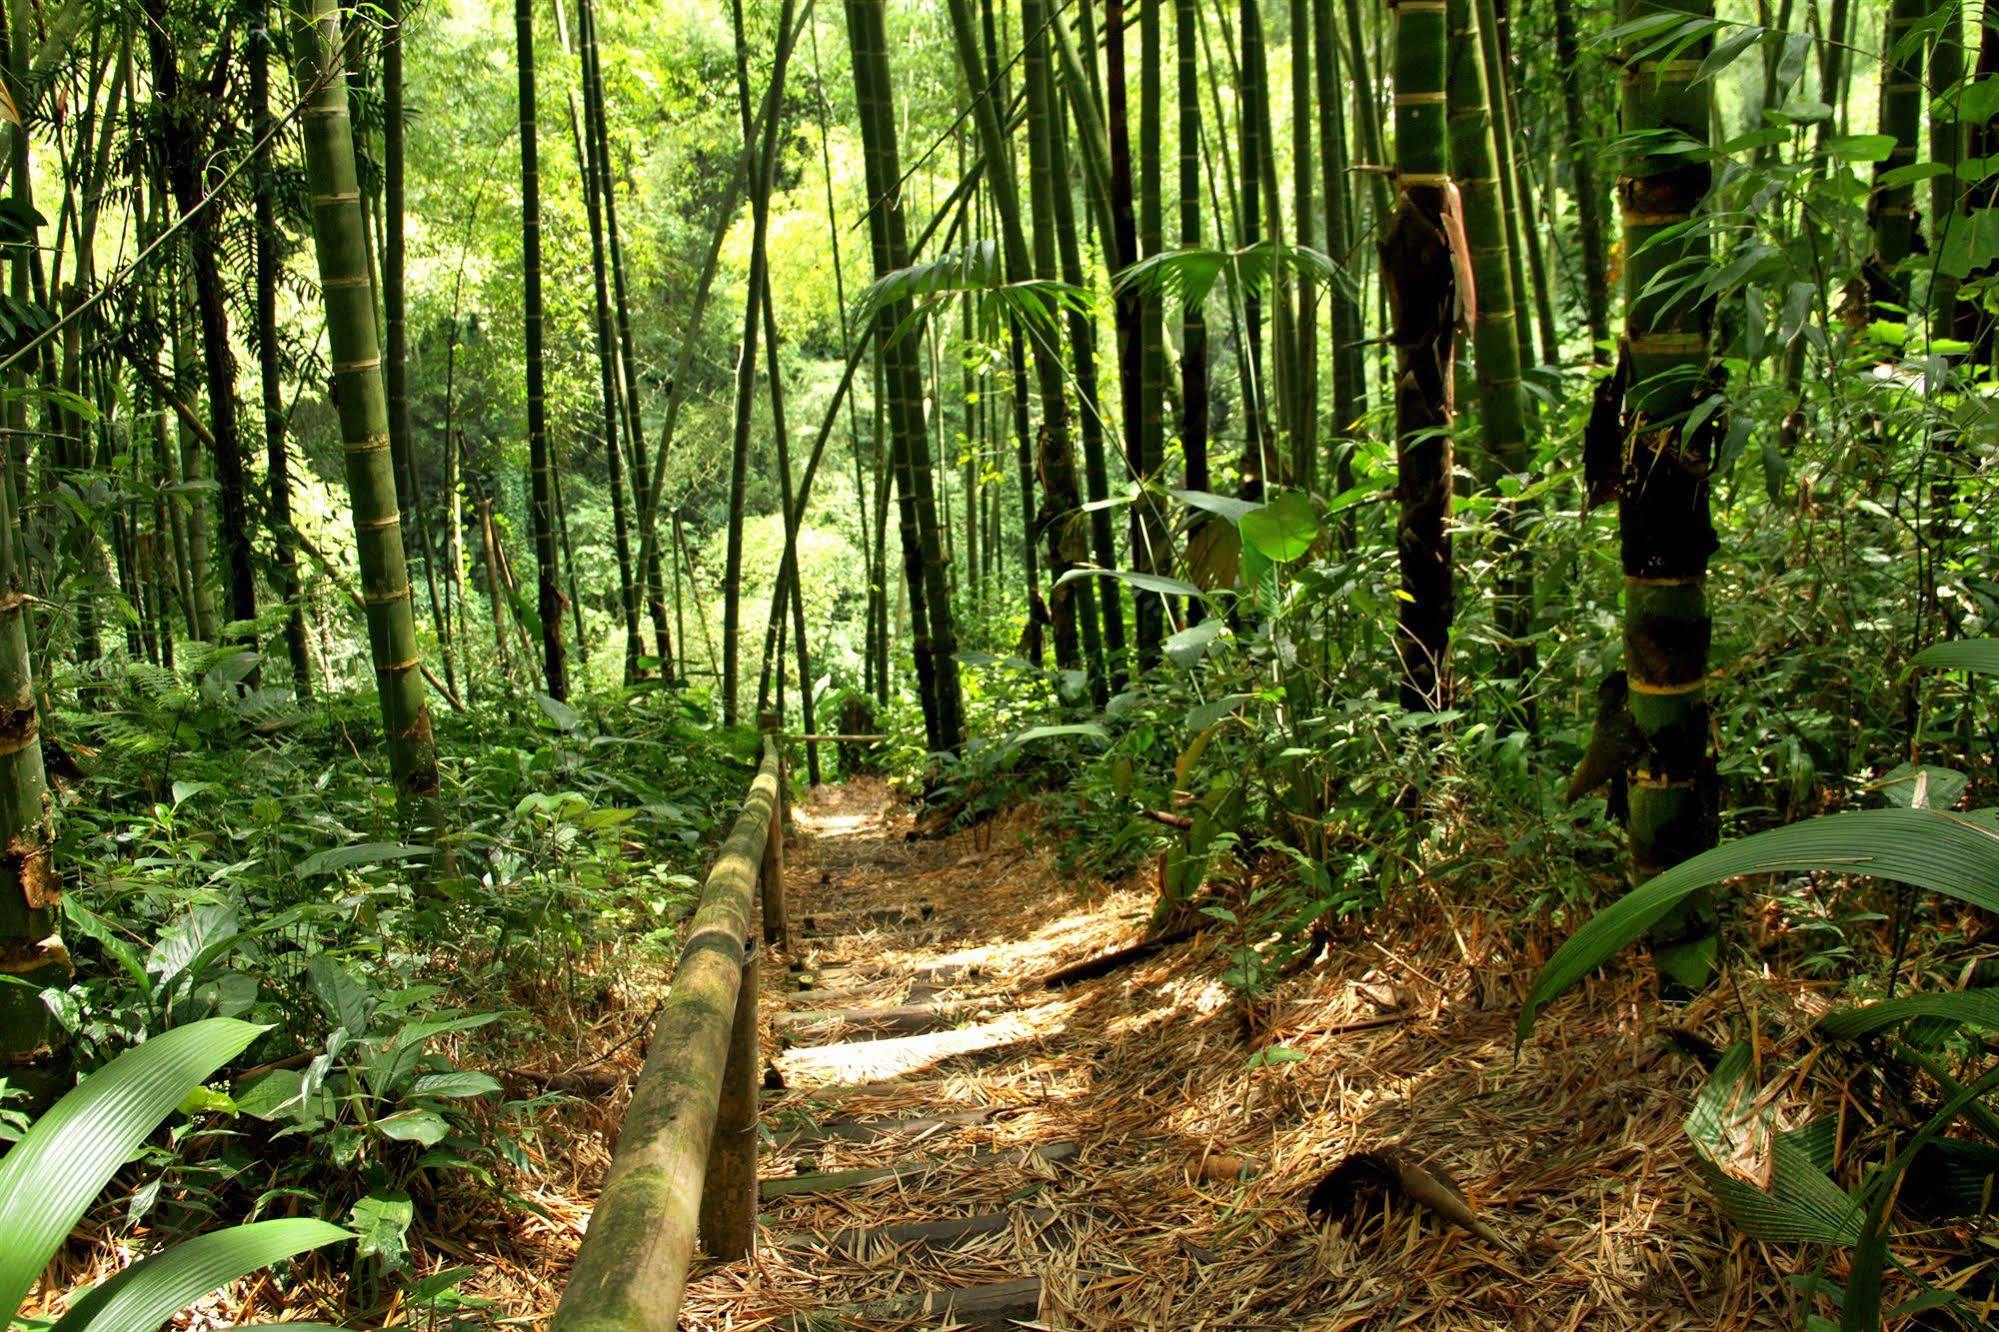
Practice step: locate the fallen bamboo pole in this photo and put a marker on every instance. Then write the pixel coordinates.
(631, 1272)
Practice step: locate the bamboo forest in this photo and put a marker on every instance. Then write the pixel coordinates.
(1204, 665)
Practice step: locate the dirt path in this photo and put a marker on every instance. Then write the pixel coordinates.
(952, 1143)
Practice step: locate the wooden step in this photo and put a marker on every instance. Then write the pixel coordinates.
(834, 1181)
(898, 1056)
(859, 921)
(872, 1128)
(997, 1305)
(855, 995)
(823, 1025)
(864, 1242)
(834, 974)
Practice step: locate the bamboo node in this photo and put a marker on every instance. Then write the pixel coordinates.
(1422, 99)
(398, 667)
(1422, 178)
(1681, 580)
(350, 367)
(388, 598)
(337, 197)
(394, 519)
(1698, 686)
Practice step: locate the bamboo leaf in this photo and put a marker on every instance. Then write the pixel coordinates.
(1977, 655)
(65, 1159)
(151, 1291)
(1971, 1008)
(1953, 854)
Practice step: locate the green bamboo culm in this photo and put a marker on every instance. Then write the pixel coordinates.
(32, 956)
(541, 452)
(1666, 533)
(1890, 206)
(363, 406)
(933, 631)
(1071, 612)
(1346, 325)
(1151, 536)
(1495, 349)
(1418, 265)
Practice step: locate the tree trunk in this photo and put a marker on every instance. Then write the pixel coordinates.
(541, 452)
(596, 187)
(1890, 213)
(1582, 167)
(277, 457)
(184, 114)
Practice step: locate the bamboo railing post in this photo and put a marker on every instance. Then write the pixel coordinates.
(777, 925)
(686, 1158)
(728, 1224)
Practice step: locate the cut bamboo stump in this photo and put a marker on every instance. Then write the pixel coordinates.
(1000, 1304)
(835, 1181)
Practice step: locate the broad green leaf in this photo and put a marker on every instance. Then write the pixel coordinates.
(1861, 1311)
(364, 853)
(421, 1126)
(1283, 529)
(1921, 784)
(380, 1221)
(565, 717)
(1972, 1008)
(1861, 147)
(1802, 1204)
(345, 1000)
(1224, 505)
(152, 1291)
(51, 1176)
(94, 926)
(196, 936)
(1145, 582)
(1189, 645)
(1083, 730)
(462, 1082)
(1953, 854)
(278, 1094)
(1980, 656)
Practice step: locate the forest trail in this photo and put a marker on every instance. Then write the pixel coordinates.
(954, 1143)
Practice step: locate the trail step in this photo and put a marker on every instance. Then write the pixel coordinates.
(834, 1181)
(822, 1026)
(823, 922)
(852, 995)
(864, 1242)
(1000, 1304)
(833, 974)
(872, 1128)
(976, 1045)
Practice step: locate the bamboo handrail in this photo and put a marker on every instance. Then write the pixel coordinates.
(686, 1157)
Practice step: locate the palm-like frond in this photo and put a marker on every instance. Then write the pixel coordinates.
(974, 271)
(1188, 275)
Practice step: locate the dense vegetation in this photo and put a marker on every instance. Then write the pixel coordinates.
(1534, 456)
